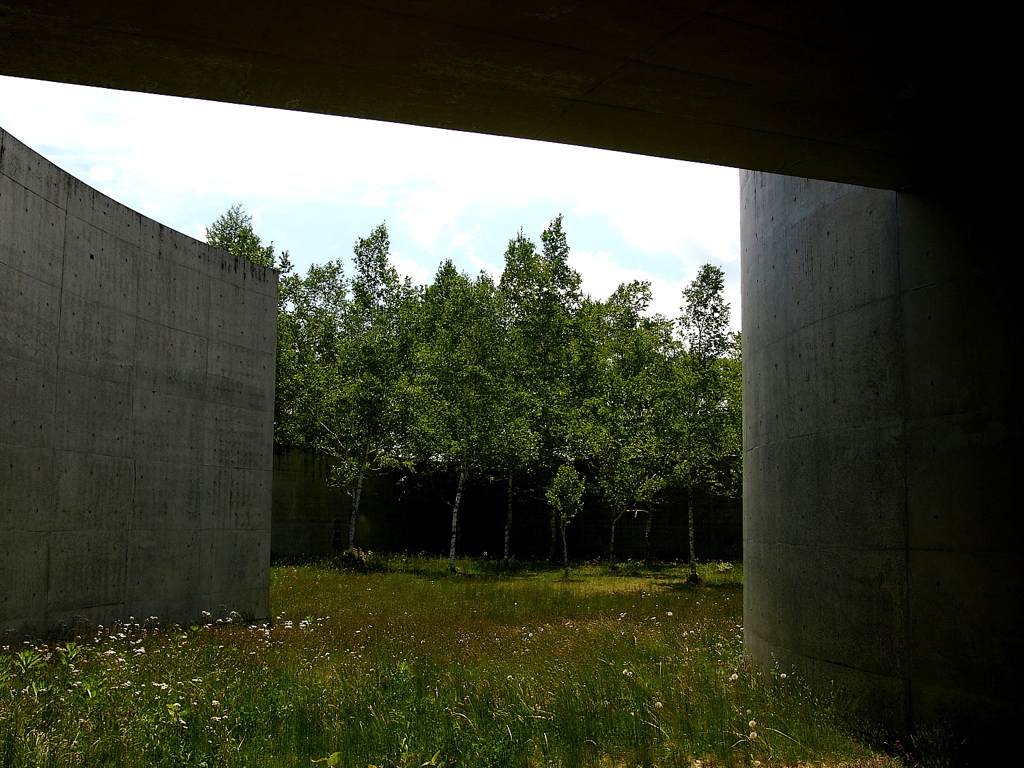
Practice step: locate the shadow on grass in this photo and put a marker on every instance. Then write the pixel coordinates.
(688, 586)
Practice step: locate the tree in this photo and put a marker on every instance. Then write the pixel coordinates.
(704, 322)
(233, 232)
(346, 348)
(623, 418)
(566, 498)
(464, 407)
(705, 433)
(368, 405)
(542, 298)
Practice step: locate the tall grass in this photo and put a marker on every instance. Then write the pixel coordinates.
(407, 665)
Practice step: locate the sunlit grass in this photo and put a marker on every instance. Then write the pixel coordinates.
(408, 665)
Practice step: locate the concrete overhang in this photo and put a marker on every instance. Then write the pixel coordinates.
(827, 90)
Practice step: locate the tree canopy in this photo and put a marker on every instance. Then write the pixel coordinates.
(577, 402)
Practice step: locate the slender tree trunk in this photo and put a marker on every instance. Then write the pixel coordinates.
(508, 519)
(693, 551)
(565, 548)
(355, 509)
(647, 533)
(554, 538)
(455, 521)
(611, 544)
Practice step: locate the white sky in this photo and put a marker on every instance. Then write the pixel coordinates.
(315, 183)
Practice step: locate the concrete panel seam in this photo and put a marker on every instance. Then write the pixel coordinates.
(824, 318)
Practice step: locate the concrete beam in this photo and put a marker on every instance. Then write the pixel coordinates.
(825, 90)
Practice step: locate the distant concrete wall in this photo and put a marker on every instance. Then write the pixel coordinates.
(136, 411)
(311, 517)
(304, 505)
(396, 515)
(883, 522)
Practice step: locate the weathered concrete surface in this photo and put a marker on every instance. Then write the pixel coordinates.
(883, 528)
(843, 91)
(137, 375)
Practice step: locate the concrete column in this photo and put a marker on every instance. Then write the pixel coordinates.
(882, 451)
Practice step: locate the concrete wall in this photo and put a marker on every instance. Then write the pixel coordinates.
(137, 376)
(883, 528)
(402, 515)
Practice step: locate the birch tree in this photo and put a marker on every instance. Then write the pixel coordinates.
(623, 418)
(565, 495)
(543, 299)
(464, 405)
(705, 414)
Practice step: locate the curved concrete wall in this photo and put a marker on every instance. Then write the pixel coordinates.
(136, 416)
(882, 449)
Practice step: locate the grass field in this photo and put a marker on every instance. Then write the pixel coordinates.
(409, 666)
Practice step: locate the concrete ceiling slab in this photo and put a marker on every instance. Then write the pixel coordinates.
(829, 90)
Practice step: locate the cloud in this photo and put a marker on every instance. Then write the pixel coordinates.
(407, 267)
(602, 274)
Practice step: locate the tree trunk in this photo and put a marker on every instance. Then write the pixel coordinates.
(647, 534)
(611, 544)
(693, 551)
(554, 538)
(355, 509)
(508, 520)
(455, 521)
(565, 548)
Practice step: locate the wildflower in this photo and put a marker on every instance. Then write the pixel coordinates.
(734, 676)
(752, 724)
(752, 736)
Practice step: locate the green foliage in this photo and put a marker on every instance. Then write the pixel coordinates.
(467, 411)
(468, 379)
(462, 398)
(541, 296)
(566, 498)
(704, 321)
(233, 233)
(566, 492)
(616, 426)
(704, 441)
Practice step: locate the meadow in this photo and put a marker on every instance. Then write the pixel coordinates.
(400, 664)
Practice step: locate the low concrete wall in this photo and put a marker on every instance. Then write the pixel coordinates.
(883, 529)
(397, 515)
(136, 417)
